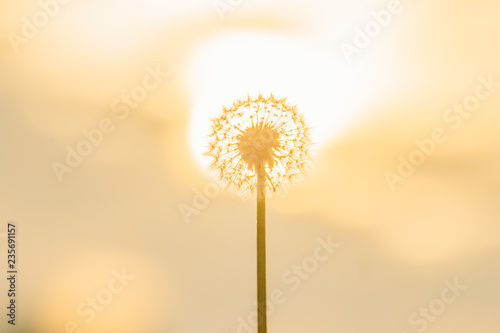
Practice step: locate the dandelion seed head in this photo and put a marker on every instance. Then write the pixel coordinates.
(259, 133)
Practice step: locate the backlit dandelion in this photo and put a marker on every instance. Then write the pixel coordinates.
(254, 134)
(259, 144)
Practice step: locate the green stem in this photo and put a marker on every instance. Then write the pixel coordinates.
(261, 251)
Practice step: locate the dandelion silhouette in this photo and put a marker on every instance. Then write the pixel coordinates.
(259, 144)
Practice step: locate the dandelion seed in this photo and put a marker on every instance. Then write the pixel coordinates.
(261, 133)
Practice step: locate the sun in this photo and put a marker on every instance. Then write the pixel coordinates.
(239, 64)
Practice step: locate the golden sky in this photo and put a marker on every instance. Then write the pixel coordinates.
(147, 75)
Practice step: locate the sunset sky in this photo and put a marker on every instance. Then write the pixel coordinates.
(105, 110)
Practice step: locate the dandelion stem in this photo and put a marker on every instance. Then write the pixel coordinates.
(261, 250)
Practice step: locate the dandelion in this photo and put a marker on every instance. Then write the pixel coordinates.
(255, 145)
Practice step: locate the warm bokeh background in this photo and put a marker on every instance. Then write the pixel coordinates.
(120, 207)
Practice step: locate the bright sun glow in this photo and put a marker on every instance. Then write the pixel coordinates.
(238, 65)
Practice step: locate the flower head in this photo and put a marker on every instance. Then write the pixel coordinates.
(262, 134)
